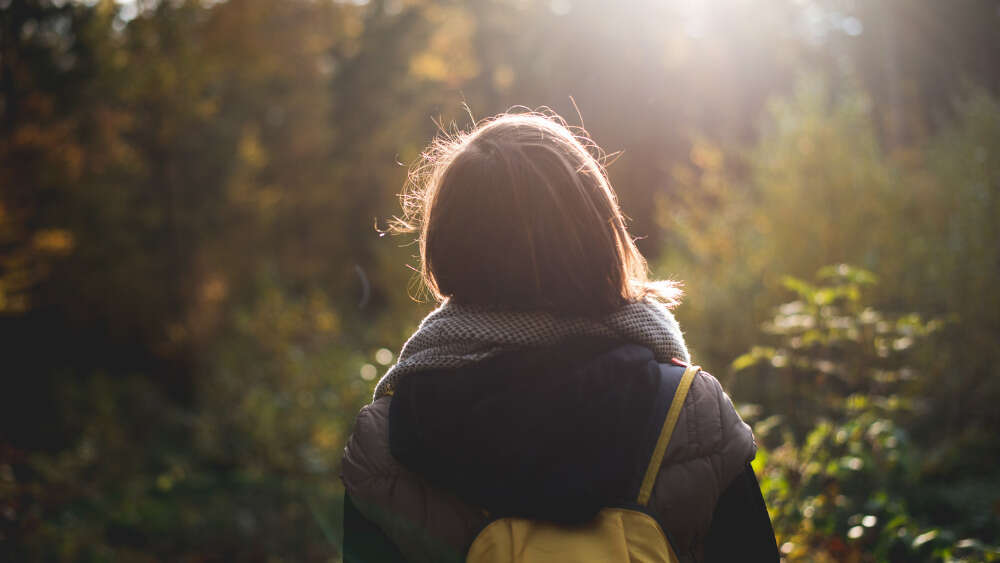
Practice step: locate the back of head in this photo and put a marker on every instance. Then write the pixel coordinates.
(519, 214)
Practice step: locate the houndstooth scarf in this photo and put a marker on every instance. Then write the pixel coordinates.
(454, 335)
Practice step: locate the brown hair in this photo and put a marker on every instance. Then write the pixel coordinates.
(519, 213)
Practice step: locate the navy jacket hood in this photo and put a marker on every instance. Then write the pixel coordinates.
(553, 434)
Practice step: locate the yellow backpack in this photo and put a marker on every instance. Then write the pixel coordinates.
(616, 534)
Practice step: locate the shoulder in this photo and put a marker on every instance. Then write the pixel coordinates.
(710, 448)
(424, 523)
(710, 426)
(367, 456)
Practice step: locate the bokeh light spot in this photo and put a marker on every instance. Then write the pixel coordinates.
(368, 372)
(383, 356)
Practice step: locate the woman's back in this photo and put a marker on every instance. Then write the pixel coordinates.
(552, 434)
(529, 390)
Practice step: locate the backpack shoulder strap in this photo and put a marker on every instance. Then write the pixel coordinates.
(682, 387)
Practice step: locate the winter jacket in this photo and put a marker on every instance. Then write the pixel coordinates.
(550, 434)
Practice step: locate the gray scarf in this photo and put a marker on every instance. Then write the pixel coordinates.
(454, 335)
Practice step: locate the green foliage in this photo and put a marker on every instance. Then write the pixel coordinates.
(818, 188)
(194, 303)
(839, 471)
(834, 349)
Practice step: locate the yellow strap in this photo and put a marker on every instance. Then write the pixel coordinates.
(668, 429)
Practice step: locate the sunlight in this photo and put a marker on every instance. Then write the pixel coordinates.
(200, 305)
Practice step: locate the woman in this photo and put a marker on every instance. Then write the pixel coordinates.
(529, 391)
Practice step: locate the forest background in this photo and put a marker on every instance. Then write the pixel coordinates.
(195, 298)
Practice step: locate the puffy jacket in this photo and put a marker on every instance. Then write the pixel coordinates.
(552, 434)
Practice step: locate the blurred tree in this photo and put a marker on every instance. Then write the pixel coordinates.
(819, 189)
(194, 301)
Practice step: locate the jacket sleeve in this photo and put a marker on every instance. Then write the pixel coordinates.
(423, 523)
(364, 542)
(709, 449)
(741, 528)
